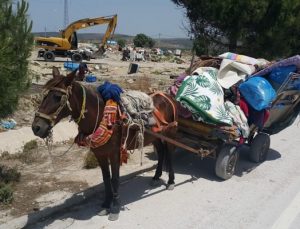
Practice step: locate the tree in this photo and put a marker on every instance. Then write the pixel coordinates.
(151, 42)
(141, 40)
(15, 46)
(254, 27)
(121, 42)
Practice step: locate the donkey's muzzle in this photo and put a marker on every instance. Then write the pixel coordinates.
(40, 127)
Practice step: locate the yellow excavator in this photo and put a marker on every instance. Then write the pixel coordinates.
(67, 44)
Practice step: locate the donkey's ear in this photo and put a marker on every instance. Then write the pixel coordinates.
(70, 77)
(55, 72)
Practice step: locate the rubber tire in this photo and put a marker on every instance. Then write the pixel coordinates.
(49, 56)
(76, 57)
(259, 147)
(228, 156)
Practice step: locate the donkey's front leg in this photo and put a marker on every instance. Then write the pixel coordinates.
(115, 182)
(104, 165)
(158, 172)
(169, 149)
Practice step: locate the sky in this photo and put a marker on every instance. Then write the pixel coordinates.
(155, 18)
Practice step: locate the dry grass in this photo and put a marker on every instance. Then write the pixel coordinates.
(90, 161)
(28, 155)
(29, 146)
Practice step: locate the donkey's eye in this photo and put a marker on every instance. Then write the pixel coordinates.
(57, 98)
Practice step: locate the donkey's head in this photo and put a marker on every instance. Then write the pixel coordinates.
(55, 104)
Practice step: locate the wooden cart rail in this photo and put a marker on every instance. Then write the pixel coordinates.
(199, 151)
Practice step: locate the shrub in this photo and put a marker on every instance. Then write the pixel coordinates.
(6, 193)
(90, 161)
(31, 145)
(8, 175)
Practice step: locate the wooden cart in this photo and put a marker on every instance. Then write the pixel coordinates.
(210, 141)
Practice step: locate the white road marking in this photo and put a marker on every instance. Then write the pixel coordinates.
(288, 215)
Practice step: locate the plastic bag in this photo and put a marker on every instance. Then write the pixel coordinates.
(8, 124)
(258, 92)
(279, 74)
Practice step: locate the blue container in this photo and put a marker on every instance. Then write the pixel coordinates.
(90, 78)
(71, 66)
(258, 92)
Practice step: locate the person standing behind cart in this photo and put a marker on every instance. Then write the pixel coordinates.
(82, 71)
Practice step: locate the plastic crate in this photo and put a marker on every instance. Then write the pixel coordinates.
(71, 66)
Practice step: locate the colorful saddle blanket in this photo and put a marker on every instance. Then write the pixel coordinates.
(105, 130)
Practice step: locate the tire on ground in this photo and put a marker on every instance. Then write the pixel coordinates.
(49, 56)
(76, 57)
(226, 161)
(259, 147)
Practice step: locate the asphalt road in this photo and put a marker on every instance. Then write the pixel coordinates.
(258, 196)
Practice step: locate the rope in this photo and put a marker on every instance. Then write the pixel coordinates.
(139, 138)
(81, 116)
(48, 142)
(97, 119)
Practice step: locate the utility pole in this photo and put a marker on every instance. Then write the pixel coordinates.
(66, 14)
(159, 39)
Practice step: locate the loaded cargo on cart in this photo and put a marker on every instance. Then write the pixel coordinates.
(233, 100)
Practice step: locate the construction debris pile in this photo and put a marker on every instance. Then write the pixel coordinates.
(154, 55)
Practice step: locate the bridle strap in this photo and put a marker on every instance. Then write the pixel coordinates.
(83, 105)
(64, 101)
(45, 116)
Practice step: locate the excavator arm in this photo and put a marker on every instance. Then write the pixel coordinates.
(110, 30)
(88, 22)
(62, 46)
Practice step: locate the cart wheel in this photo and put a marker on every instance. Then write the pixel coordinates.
(259, 147)
(226, 162)
(49, 56)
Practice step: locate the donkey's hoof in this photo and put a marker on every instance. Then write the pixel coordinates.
(155, 182)
(113, 216)
(103, 212)
(170, 187)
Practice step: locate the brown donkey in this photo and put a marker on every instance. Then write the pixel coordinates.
(66, 97)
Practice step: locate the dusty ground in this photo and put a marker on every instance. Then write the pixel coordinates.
(151, 76)
(258, 196)
(47, 177)
(51, 177)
